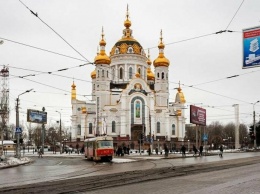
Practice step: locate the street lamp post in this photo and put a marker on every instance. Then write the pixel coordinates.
(60, 132)
(17, 123)
(254, 122)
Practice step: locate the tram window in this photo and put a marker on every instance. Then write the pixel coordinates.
(105, 144)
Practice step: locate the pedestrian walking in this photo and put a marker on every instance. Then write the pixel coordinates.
(221, 151)
(194, 150)
(156, 151)
(183, 151)
(40, 153)
(201, 150)
(166, 150)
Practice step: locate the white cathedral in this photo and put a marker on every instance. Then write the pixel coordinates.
(128, 99)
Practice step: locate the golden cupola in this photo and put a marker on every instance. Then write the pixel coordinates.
(73, 91)
(150, 74)
(127, 44)
(93, 74)
(102, 57)
(180, 96)
(161, 59)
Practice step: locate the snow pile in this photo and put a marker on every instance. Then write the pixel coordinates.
(14, 161)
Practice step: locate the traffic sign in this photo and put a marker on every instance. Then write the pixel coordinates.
(205, 137)
(18, 130)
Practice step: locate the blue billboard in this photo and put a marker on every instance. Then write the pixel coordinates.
(251, 50)
(35, 116)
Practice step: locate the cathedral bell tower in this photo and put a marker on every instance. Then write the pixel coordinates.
(161, 85)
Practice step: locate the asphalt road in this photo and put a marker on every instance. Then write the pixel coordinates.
(79, 175)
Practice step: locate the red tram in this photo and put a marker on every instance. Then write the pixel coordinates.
(99, 148)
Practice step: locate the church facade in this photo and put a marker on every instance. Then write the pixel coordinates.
(129, 101)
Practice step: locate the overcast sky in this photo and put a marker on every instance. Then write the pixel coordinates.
(197, 55)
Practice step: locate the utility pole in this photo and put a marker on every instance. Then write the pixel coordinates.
(254, 122)
(43, 133)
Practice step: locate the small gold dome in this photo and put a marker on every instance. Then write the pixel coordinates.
(137, 75)
(180, 98)
(102, 57)
(150, 74)
(93, 74)
(161, 59)
(73, 86)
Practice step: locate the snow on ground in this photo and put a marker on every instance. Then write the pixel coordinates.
(10, 161)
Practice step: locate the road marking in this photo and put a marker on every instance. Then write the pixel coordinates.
(59, 163)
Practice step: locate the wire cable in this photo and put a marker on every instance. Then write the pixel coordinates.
(235, 14)
(36, 15)
(42, 49)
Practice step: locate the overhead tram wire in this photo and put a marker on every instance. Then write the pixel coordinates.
(56, 53)
(36, 15)
(235, 14)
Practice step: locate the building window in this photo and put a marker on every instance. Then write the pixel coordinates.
(162, 75)
(79, 130)
(173, 129)
(113, 126)
(130, 50)
(103, 73)
(113, 73)
(90, 128)
(93, 86)
(121, 73)
(158, 128)
(107, 74)
(130, 72)
(137, 109)
(158, 75)
(98, 73)
(139, 71)
(117, 51)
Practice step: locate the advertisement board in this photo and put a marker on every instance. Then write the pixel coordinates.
(35, 116)
(197, 115)
(251, 51)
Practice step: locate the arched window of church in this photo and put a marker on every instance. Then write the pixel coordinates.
(130, 50)
(79, 130)
(139, 71)
(117, 51)
(158, 75)
(98, 73)
(103, 73)
(113, 73)
(90, 128)
(121, 73)
(158, 127)
(130, 72)
(167, 76)
(173, 129)
(137, 109)
(162, 75)
(93, 86)
(107, 74)
(113, 126)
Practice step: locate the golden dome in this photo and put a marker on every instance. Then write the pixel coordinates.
(73, 91)
(73, 86)
(102, 57)
(150, 74)
(93, 74)
(127, 22)
(127, 44)
(161, 59)
(180, 96)
(137, 75)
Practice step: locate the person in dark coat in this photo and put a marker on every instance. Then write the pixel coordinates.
(194, 150)
(221, 151)
(166, 150)
(201, 150)
(183, 150)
